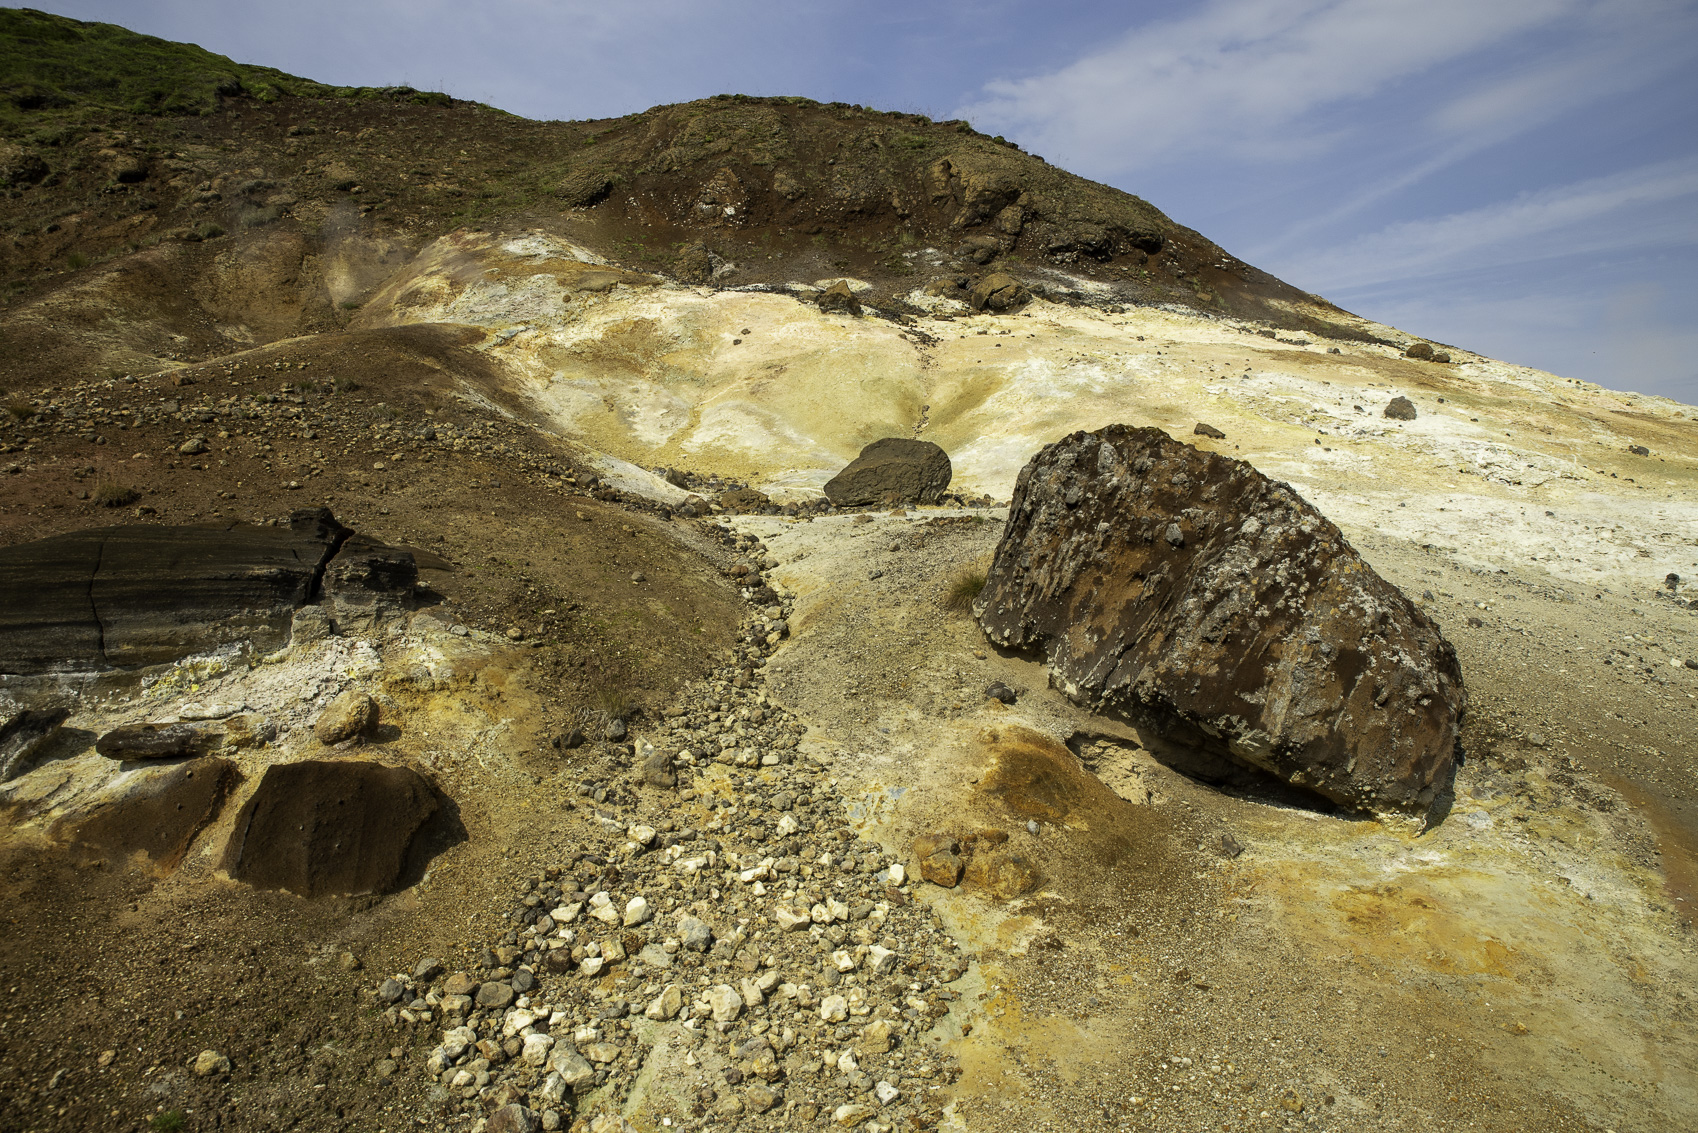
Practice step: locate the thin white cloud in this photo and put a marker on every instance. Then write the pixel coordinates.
(1240, 73)
(1618, 213)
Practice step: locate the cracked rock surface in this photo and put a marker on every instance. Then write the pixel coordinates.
(1187, 592)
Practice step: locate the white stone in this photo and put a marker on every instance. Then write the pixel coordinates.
(601, 908)
(637, 911)
(787, 825)
(791, 920)
(641, 835)
(590, 966)
(536, 1049)
(880, 960)
(886, 1093)
(724, 1002)
(845, 961)
(517, 1020)
(846, 1062)
(851, 1115)
(584, 1035)
(566, 914)
(665, 1005)
(838, 910)
(898, 873)
(834, 1009)
(753, 996)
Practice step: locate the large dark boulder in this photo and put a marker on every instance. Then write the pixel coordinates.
(1190, 594)
(320, 828)
(114, 597)
(157, 814)
(893, 470)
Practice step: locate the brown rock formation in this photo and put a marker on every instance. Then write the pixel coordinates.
(892, 470)
(320, 828)
(1189, 593)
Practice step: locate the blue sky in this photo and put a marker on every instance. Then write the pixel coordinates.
(1517, 177)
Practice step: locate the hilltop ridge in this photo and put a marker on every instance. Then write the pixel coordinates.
(116, 146)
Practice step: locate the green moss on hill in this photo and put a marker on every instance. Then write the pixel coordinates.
(53, 68)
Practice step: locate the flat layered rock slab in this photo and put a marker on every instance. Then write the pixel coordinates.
(143, 594)
(1187, 592)
(334, 827)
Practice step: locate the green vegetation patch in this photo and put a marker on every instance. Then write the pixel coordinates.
(52, 67)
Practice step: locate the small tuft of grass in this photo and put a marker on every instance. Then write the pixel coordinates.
(964, 589)
(171, 1121)
(115, 495)
(76, 261)
(344, 385)
(20, 409)
(615, 703)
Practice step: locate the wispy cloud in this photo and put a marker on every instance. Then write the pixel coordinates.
(1264, 79)
(1617, 214)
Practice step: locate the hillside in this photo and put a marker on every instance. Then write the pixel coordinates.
(122, 148)
(469, 474)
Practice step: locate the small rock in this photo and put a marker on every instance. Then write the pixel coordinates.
(725, 1003)
(210, 1062)
(194, 446)
(1204, 429)
(1400, 409)
(391, 990)
(834, 1009)
(513, 1118)
(694, 935)
(886, 1093)
(665, 1005)
(851, 1115)
(760, 1098)
(426, 970)
(495, 994)
(346, 717)
(637, 911)
(1638, 450)
(1421, 350)
(1000, 691)
(839, 299)
(573, 1068)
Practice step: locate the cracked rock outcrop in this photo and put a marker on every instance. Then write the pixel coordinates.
(1187, 592)
(114, 597)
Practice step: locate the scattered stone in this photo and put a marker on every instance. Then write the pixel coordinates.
(495, 993)
(895, 469)
(666, 1005)
(1000, 691)
(839, 299)
(1421, 350)
(1263, 638)
(998, 292)
(1400, 409)
(210, 1062)
(346, 717)
(513, 1118)
(1638, 450)
(724, 1003)
(1204, 429)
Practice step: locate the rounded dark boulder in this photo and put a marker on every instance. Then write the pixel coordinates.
(892, 470)
(1400, 409)
(346, 827)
